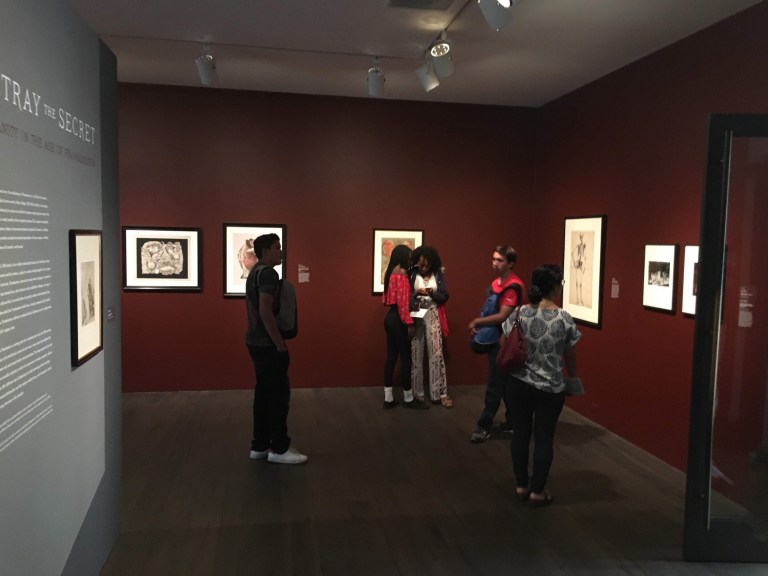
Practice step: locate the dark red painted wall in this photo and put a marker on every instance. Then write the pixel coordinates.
(331, 170)
(632, 146)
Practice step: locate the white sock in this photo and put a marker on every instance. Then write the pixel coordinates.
(388, 397)
(408, 395)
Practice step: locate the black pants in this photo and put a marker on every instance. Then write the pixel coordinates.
(533, 412)
(398, 344)
(270, 399)
(495, 392)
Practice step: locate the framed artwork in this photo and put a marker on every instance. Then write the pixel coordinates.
(384, 241)
(167, 259)
(239, 256)
(659, 277)
(85, 297)
(690, 279)
(583, 262)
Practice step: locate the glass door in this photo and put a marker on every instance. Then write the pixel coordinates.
(726, 515)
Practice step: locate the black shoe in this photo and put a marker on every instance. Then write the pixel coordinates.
(506, 427)
(416, 404)
(388, 405)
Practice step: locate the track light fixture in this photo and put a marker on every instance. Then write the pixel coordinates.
(427, 76)
(498, 13)
(206, 66)
(441, 55)
(376, 79)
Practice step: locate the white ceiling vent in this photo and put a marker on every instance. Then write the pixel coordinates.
(420, 4)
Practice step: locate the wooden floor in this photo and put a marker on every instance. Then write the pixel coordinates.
(394, 492)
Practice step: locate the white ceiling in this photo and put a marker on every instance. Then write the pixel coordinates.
(326, 46)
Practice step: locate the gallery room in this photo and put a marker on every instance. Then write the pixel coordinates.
(633, 137)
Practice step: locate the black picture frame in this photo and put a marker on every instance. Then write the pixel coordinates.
(235, 268)
(584, 268)
(162, 259)
(85, 295)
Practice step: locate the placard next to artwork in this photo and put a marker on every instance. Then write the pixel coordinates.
(659, 277)
(583, 267)
(168, 259)
(85, 295)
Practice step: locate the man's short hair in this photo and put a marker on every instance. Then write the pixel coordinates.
(508, 252)
(264, 241)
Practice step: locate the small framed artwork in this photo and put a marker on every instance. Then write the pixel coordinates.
(85, 300)
(583, 262)
(384, 241)
(167, 259)
(239, 256)
(659, 277)
(690, 279)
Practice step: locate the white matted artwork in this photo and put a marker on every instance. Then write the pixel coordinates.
(690, 279)
(239, 256)
(583, 252)
(384, 241)
(85, 294)
(659, 277)
(162, 259)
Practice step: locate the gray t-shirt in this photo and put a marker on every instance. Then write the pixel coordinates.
(548, 333)
(268, 280)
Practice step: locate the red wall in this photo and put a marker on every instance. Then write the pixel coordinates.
(331, 170)
(632, 146)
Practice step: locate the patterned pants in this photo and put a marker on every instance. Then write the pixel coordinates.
(428, 331)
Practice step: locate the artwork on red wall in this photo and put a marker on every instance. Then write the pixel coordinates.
(690, 279)
(167, 259)
(239, 256)
(583, 256)
(85, 283)
(384, 241)
(659, 277)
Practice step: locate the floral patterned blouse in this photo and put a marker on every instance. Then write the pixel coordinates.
(399, 292)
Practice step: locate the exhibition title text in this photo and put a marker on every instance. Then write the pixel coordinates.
(26, 100)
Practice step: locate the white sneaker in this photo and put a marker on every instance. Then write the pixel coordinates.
(290, 456)
(258, 454)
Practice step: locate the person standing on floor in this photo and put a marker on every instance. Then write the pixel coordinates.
(429, 297)
(398, 326)
(269, 353)
(537, 391)
(508, 289)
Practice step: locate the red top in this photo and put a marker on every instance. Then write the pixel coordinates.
(399, 292)
(510, 296)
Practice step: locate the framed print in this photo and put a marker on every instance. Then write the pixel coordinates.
(384, 242)
(239, 256)
(162, 259)
(583, 260)
(659, 277)
(690, 279)
(85, 300)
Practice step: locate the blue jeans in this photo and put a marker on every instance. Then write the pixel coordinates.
(494, 393)
(270, 399)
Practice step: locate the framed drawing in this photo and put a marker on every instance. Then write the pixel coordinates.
(659, 277)
(583, 262)
(239, 256)
(384, 242)
(162, 259)
(690, 279)
(85, 300)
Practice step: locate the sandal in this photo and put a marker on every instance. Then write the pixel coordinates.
(446, 402)
(544, 499)
(522, 493)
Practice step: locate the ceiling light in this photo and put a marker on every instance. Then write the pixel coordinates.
(498, 13)
(376, 79)
(206, 66)
(441, 56)
(427, 76)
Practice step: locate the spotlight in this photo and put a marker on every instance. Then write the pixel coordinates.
(498, 13)
(206, 66)
(376, 79)
(441, 56)
(427, 76)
